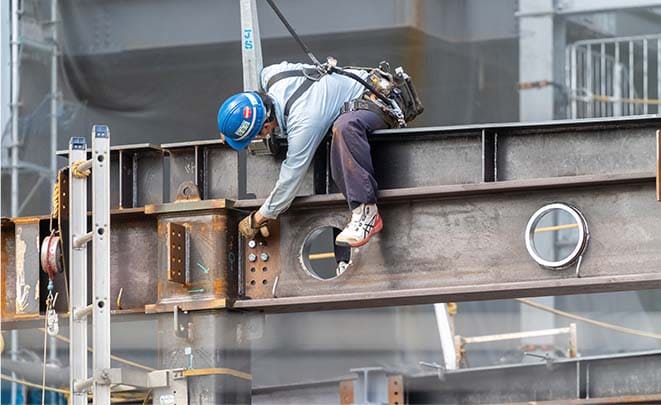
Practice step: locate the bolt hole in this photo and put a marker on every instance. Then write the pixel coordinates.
(100, 231)
(252, 282)
(101, 304)
(264, 282)
(264, 269)
(396, 393)
(252, 270)
(100, 158)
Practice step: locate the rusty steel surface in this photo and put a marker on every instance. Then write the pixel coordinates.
(177, 248)
(212, 257)
(8, 262)
(346, 393)
(262, 264)
(396, 390)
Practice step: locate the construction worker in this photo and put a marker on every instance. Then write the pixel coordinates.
(304, 103)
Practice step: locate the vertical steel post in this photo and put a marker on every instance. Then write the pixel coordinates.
(603, 106)
(78, 271)
(589, 82)
(251, 57)
(645, 90)
(632, 93)
(618, 70)
(446, 335)
(54, 92)
(658, 74)
(15, 104)
(251, 45)
(101, 262)
(12, 9)
(574, 84)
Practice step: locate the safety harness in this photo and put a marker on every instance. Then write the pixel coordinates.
(311, 75)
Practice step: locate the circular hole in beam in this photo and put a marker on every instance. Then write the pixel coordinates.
(321, 258)
(556, 236)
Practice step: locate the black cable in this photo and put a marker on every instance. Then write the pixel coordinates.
(363, 82)
(293, 33)
(332, 69)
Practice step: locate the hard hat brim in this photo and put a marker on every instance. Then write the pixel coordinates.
(239, 145)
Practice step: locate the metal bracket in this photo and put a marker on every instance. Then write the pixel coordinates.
(182, 325)
(188, 191)
(176, 391)
(261, 259)
(178, 247)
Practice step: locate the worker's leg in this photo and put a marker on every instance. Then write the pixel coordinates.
(351, 161)
(353, 172)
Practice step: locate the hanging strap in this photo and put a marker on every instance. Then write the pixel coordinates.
(311, 75)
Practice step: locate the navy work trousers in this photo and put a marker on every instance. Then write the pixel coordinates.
(351, 161)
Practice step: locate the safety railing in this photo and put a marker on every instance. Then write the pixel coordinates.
(613, 77)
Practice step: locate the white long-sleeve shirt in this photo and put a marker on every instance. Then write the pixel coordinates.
(310, 118)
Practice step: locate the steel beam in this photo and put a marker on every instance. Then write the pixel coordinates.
(452, 236)
(611, 379)
(599, 6)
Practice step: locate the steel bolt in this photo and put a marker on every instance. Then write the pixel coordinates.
(264, 257)
(252, 257)
(252, 244)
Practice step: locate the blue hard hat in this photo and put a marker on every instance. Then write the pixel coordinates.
(241, 118)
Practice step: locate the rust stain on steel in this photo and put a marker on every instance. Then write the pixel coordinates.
(625, 399)
(177, 252)
(211, 280)
(346, 393)
(260, 275)
(133, 260)
(184, 208)
(8, 266)
(22, 290)
(658, 165)
(395, 390)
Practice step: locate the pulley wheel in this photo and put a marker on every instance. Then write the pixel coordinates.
(51, 255)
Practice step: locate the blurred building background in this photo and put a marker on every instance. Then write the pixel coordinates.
(156, 71)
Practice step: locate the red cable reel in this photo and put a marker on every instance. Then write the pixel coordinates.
(51, 255)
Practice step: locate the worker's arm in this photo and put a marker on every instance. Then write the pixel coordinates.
(303, 139)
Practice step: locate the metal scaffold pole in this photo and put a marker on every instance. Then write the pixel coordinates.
(78, 262)
(54, 101)
(14, 106)
(101, 262)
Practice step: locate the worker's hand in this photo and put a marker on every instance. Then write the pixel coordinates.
(253, 224)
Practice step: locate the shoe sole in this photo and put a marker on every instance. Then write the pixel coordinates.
(377, 228)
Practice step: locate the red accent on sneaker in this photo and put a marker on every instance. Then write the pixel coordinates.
(378, 225)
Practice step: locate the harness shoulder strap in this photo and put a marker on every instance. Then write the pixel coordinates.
(283, 75)
(311, 75)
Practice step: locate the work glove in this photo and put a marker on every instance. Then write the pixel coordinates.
(249, 229)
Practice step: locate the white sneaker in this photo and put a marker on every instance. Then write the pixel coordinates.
(365, 223)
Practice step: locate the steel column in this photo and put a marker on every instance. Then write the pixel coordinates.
(55, 97)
